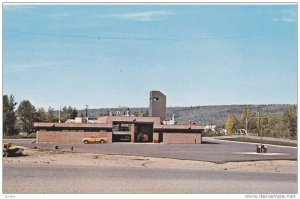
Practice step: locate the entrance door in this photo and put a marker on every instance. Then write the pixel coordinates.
(143, 132)
(160, 137)
(121, 132)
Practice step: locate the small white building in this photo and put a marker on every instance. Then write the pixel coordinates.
(210, 126)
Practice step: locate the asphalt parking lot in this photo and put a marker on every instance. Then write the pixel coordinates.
(211, 150)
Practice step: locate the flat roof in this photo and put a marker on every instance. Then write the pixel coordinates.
(178, 127)
(129, 119)
(106, 122)
(71, 125)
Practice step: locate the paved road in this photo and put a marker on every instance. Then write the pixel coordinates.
(210, 150)
(22, 178)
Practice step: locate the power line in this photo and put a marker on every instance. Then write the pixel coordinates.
(153, 39)
(51, 34)
(96, 37)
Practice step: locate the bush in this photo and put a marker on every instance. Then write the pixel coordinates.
(208, 133)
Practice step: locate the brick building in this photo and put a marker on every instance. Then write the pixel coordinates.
(124, 128)
(120, 129)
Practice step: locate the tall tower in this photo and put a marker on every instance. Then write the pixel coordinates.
(158, 105)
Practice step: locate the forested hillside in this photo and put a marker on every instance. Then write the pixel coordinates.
(199, 114)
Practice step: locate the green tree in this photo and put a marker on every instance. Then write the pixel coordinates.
(278, 128)
(232, 124)
(41, 115)
(263, 122)
(26, 115)
(147, 113)
(245, 117)
(68, 113)
(9, 115)
(74, 113)
(253, 122)
(51, 115)
(290, 118)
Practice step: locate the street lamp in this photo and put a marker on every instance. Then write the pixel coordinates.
(262, 148)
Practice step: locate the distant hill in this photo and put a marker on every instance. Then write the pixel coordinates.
(218, 114)
(200, 114)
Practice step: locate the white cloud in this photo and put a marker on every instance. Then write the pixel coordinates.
(30, 9)
(286, 16)
(15, 7)
(140, 16)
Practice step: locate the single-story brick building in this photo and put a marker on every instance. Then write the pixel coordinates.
(120, 129)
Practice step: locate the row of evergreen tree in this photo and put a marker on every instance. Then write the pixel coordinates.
(21, 118)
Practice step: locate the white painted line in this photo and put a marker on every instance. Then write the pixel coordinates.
(263, 154)
(293, 147)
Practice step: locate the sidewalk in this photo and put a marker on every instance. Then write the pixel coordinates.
(257, 138)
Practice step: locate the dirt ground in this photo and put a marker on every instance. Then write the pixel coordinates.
(36, 156)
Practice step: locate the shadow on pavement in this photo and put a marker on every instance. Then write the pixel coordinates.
(207, 142)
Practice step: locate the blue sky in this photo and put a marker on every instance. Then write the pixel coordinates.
(114, 55)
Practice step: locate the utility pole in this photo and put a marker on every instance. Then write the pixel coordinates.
(261, 131)
(59, 114)
(86, 110)
(246, 125)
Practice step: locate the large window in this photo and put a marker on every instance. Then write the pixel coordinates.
(121, 126)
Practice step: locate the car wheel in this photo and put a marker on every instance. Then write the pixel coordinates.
(102, 141)
(86, 141)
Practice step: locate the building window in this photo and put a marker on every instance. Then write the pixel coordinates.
(121, 127)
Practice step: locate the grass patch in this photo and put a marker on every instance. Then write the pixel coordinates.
(242, 139)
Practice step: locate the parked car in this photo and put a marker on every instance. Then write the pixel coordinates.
(94, 139)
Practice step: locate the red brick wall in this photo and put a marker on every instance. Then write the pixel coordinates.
(155, 137)
(182, 138)
(76, 137)
(68, 136)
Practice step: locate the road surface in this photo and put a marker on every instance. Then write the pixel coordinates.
(49, 174)
(210, 150)
(101, 179)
